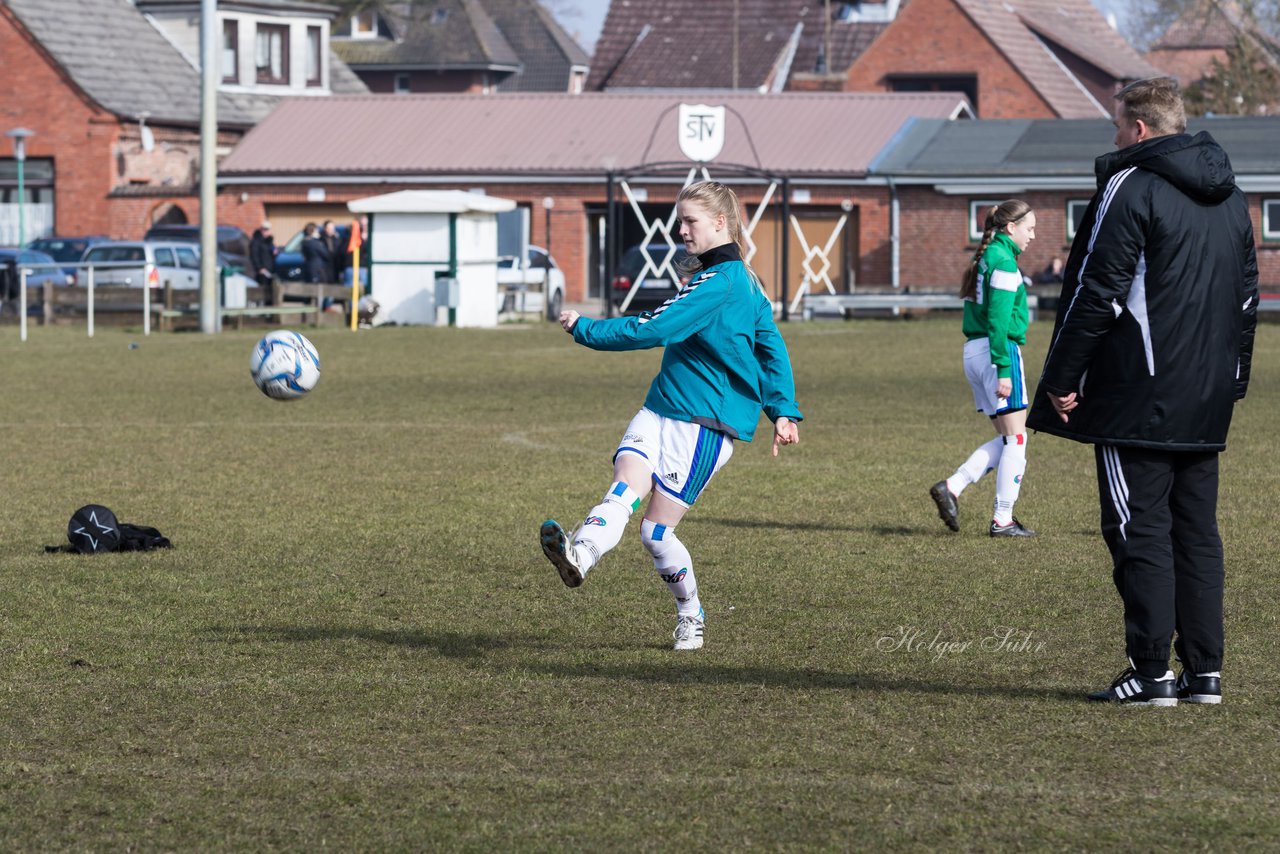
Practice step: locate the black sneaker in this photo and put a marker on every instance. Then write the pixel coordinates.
(1199, 689)
(1013, 529)
(948, 509)
(1137, 690)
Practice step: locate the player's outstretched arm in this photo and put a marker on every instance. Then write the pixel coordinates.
(785, 432)
(568, 318)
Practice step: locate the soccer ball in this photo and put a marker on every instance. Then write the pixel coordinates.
(284, 365)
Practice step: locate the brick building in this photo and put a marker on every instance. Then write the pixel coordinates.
(946, 175)
(1010, 58)
(554, 155)
(112, 91)
(473, 46)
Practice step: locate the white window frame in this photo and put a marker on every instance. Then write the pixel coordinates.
(285, 34)
(364, 32)
(977, 216)
(1271, 219)
(1071, 220)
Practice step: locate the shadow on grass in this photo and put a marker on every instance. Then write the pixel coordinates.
(478, 645)
(785, 526)
(772, 677)
(449, 644)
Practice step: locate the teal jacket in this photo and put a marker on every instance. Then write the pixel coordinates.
(725, 360)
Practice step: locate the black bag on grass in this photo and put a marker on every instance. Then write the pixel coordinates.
(94, 529)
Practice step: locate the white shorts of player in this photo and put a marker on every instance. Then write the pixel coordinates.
(681, 456)
(982, 378)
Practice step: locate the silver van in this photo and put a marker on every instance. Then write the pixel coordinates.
(176, 264)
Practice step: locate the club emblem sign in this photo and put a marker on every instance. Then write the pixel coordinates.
(701, 131)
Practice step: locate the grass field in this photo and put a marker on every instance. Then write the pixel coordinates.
(356, 643)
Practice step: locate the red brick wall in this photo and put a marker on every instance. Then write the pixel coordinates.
(936, 37)
(935, 242)
(569, 224)
(936, 248)
(68, 127)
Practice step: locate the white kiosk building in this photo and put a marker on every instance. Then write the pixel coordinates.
(434, 256)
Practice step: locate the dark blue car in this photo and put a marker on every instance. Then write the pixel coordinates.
(289, 259)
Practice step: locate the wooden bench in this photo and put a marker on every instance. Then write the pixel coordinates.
(168, 306)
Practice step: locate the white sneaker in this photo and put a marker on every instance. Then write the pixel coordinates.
(555, 545)
(688, 633)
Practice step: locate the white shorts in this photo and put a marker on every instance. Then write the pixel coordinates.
(982, 378)
(681, 456)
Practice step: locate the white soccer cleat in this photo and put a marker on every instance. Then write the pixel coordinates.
(688, 633)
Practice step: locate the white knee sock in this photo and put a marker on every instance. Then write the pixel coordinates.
(674, 564)
(1013, 463)
(604, 525)
(979, 463)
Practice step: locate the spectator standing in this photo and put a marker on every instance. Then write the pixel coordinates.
(1151, 349)
(337, 252)
(317, 263)
(262, 256)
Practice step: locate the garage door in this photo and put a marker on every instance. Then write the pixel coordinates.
(288, 220)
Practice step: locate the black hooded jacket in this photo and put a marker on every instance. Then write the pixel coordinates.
(1155, 326)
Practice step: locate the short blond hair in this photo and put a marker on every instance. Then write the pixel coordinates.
(1157, 103)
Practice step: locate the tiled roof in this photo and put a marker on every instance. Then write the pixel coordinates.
(653, 44)
(127, 67)
(1047, 150)
(1012, 26)
(1078, 26)
(546, 51)
(570, 135)
(444, 34)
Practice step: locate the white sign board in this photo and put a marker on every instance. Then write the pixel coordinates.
(701, 131)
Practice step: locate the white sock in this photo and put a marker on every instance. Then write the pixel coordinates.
(674, 564)
(604, 525)
(979, 463)
(1013, 463)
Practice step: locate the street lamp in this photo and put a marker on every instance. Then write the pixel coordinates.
(19, 137)
(548, 203)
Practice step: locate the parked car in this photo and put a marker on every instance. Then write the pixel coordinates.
(289, 258)
(654, 290)
(12, 258)
(233, 244)
(66, 250)
(534, 284)
(176, 264)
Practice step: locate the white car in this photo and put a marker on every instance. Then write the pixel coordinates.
(537, 285)
(175, 264)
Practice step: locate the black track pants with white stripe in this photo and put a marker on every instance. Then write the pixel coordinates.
(1159, 519)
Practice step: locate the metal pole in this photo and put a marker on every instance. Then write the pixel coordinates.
(146, 298)
(210, 317)
(786, 246)
(90, 300)
(22, 201)
(22, 294)
(606, 287)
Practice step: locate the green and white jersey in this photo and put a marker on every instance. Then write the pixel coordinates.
(998, 311)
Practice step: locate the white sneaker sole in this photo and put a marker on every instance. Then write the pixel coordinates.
(1204, 699)
(680, 646)
(555, 545)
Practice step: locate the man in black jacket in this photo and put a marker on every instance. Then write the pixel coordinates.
(262, 256)
(1150, 351)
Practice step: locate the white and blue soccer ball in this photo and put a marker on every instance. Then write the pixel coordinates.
(285, 365)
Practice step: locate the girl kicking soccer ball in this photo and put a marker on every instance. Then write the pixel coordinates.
(724, 362)
(995, 326)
